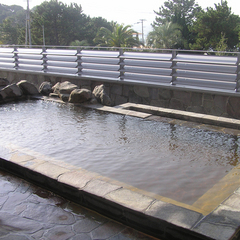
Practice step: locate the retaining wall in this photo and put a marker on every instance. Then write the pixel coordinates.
(213, 103)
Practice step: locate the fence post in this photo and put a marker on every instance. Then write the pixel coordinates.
(237, 73)
(121, 64)
(16, 57)
(174, 70)
(79, 62)
(44, 58)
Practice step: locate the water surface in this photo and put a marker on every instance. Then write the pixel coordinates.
(174, 161)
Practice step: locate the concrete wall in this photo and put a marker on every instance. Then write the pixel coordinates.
(193, 101)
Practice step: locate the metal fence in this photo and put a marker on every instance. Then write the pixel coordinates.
(176, 69)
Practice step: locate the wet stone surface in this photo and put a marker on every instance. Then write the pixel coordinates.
(30, 212)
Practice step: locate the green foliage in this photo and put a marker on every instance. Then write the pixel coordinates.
(79, 43)
(92, 27)
(166, 36)
(61, 24)
(9, 11)
(118, 36)
(180, 12)
(12, 28)
(222, 45)
(216, 28)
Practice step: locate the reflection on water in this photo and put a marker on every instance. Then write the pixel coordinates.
(174, 161)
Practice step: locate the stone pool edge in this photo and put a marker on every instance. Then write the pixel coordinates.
(147, 111)
(147, 214)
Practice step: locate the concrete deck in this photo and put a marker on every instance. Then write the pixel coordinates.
(216, 215)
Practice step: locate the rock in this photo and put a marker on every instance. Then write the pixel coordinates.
(64, 97)
(45, 88)
(56, 87)
(11, 91)
(27, 88)
(64, 87)
(80, 96)
(93, 101)
(54, 95)
(101, 96)
(3, 82)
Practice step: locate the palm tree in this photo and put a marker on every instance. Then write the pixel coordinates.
(165, 36)
(120, 36)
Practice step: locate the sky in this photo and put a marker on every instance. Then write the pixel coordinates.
(127, 12)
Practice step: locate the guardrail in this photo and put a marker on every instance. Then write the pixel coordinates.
(179, 69)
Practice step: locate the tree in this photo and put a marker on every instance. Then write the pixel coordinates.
(79, 43)
(9, 11)
(166, 36)
(213, 25)
(93, 25)
(62, 23)
(12, 28)
(181, 12)
(119, 36)
(222, 45)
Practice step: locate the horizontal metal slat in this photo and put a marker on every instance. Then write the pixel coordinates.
(145, 81)
(6, 60)
(206, 75)
(26, 67)
(147, 78)
(6, 55)
(105, 54)
(90, 72)
(64, 52)
(7, 65)
(30, 62)
(29, 56)
(205, 83)
(206, 67)
(147, 63)
(28, 50)
(60, 58)
(205, 59)
(63, 70)
(62, 64)
(100, 67)
(6, 50)
(145, 70)
(148, 56)
(112, 61)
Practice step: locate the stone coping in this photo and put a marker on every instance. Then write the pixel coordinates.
(158, 217)
(183, 115)
(147, 111)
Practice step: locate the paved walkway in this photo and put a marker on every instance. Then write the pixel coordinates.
(30, 212)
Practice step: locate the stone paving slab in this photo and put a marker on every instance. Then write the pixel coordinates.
(28, 212)
(184, 115)
(117, 110)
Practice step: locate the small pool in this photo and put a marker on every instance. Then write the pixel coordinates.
(173, 161)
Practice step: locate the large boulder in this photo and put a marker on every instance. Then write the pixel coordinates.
(101, 95)
(45, 88)
(80, 96)
(28, 88)
(11, 91)
(64, 87)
